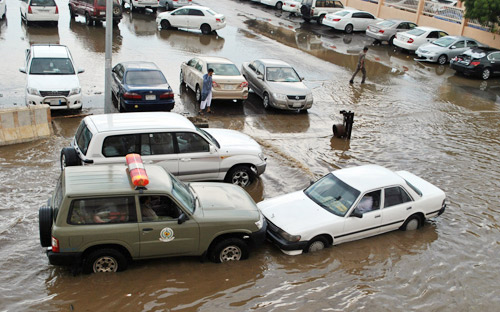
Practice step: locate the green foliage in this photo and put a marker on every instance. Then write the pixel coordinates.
(486, 12)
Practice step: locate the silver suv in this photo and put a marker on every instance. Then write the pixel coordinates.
(317, 9)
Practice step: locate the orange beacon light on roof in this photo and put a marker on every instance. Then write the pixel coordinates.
(136, 170)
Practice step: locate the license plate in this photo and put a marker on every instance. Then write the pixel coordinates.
(150, 97)
(227, 87)
(297, 105)
(102, 13)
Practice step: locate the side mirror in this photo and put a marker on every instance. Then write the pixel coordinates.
(22, 70)
(81, 70)
(311, 182)
(356, 213)
(182, 218)
(261, 77)
(453, 47)
(212, 149)
(302, 78)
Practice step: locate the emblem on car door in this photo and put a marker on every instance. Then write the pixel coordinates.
(167, 235)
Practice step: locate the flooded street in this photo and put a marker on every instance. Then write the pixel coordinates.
(408, 116)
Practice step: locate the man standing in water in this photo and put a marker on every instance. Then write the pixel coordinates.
(206, 92)
(361, 65)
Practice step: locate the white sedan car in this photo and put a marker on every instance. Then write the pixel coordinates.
(192, 17)
(39, 11)
(278, 4)
(350, 204)
(350, 20)
(411, 40)
(292, 6)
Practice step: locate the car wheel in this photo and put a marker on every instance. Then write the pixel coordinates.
(306, 19)
(391, 41)
(442, 59)
(240, 175)
(198, 93)
(348, 28)
(205, 29)
(165, 24)
(230, 249)
(69, 157)
(45, 225)
(104, 261)
(88, 20)
(320, 19)
(121, 108)
(181, 78)
(316, 244)
(412, 223)
(266, 101)
(486, 73)
(279, 5)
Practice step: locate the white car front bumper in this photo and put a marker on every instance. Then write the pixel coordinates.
(56, 102)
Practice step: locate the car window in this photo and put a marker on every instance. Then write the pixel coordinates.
(433, 34)
(181, 12)
(192, 62)
(260, 69)
(43, 3)
(51, 66)
(196, 12)
(412, 25)
(189, 142)
(199, 66)
(158, 208)
(368, 15)
(212, 12)
(281, 74)
(442, 34)
(369, 202)
(320, 3)
(471, 43)
(145, 78)
(83, 137)
(357, 15)
(121, 145)
(494, 56)
(224, 69)
(460, 44)
(118, 70)
(157, 143)
(395, 196)
(338, 4)
(252, 66)
(102, 210)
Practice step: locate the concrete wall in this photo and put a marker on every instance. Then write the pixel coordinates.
(24, 124)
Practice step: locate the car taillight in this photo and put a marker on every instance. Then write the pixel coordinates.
(475, 63)
(175, 0)
(57, 10)
(29, 10)
(132, 96)
(55, 244)
(312, 11)
(381, 31)
(336, 19)
(243, 84)
(167, 95)
(218, 20)
(292, 5)
(410, 40)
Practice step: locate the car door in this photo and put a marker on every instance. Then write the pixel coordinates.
(456, 48)
(159, 230)
(260, 81)
(196, 17)
(159, 148)
(117, 74)
(188, 72)
(397, 206)
(179, 18)
(251, 75)
(198, 159)
(369, 224)
(356, 20)
(494, 59)
(198, 73)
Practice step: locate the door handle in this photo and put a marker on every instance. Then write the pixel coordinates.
(408, 208)
(377, 216)
(185, 159)
(147, 229)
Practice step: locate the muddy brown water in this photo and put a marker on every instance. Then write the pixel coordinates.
(411, 116)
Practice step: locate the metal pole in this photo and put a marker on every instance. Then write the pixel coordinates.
(107, 59)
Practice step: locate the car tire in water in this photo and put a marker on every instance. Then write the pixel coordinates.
(106, 260)
(319, 21)
(165, 24)
(266, 101)
(181, 78)
(348, 28)
(316, 244)
(69, 157)
(88, 20)
(486, 73)
(205, 29)
(229, 249)
(279, 5)
(442, 59)
(391, 41)
(412, 223)
(45, 225)
(240, 175)
(198, 93)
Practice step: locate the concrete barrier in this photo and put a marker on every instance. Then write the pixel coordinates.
(24, 124)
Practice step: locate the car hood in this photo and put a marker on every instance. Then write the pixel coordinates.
(53, 82)
(431, 48)
(296, 213)
(231, 140)
(288, 88)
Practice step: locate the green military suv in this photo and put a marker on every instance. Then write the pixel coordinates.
(98, 220)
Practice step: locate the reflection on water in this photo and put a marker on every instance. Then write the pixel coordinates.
(36, 34)
(93, 37)
(140, 23)
(192, 41)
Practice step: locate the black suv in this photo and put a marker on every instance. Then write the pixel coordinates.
(94, 10)
(480, 62)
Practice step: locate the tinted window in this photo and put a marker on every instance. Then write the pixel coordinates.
(494, 56)
(471, 43)
(102, 210)
(158, 208)
(192, 62)
(189, 142)
(338, 4)
(51, 66)
(395, 196)
(320, 3)
(460, 44)
(145, 78)
(433, 34)
(181, 12)
(196, 12)
(100, 2)
(357, 15)
(43, 3)
(369, 202)
(224, 69)
(83, 137)
(157, 143)
(121, 145)
(199, 66)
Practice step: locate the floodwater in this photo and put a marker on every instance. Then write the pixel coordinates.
(408, 116)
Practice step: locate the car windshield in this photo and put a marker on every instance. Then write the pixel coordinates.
(332, 194)
(416, 32)
(43, 3)
(342, 13)
(386, 23)
(443, 42)
(281, 74)
(209, 136)
(51, 66)
(182, 193)
(224, 69)
(145, 78)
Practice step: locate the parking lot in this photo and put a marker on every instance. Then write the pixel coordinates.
(408, 116)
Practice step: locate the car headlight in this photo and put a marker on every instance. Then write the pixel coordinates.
(309, 97)
(75, 91)
(261, 156)
(279, 96)
(289, 237)
(32, 91)
(260, 223)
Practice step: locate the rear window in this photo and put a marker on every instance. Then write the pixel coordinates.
(224, 69)
(386, 23)
(83, 137)
(43, 3)
(145, 78)
(413, 187)
(416, 32)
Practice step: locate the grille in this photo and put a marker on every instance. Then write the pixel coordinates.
(296, 97)
(54, 93)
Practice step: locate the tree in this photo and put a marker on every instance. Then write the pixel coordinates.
(486, 12)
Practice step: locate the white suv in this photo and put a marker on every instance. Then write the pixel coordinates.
(51, 77)
(317, 9)
(169, 140)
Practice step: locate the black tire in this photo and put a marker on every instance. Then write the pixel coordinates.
(485, 75)
(305, 11)
(306, 19)
(412, 223)
(117, 10)
(154, 10)
(198, 94)
(303, 111)
(69, 157)
(279, 5)
(348, 28)
(181, 78)
(205, 29)
(165, 24)
(88, 20)
(45, 219)
(319, 21)
(240, 175)
(316, 244)
(104, 260)
(121, 109)
(442, 59)
(391, 41)
(230, 249)
(71, 12)
(266, 101)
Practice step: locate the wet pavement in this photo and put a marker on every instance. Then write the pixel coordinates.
(409, 116)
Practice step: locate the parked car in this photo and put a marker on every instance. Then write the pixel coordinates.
(142, 4)
(278, 4)
(39, 11)
(479, 62)
(141, 86)
(51, 77)
(412, 39)
(278, 84)
(98, 219)
(444, 49)
(387, 30)
(192, 17)
(170, 140)
(228, 83)
(174, 4)
(317, 9)
(350, 20)
(94, 11)
(3, 8)
(349, 204)
(292, 6)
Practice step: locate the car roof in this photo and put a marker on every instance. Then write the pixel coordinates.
(368, 177)
(139, 121)
(111, 179)
(200, 7)
(215, 59)
(139, 65)
(49, 50)
(274, 62)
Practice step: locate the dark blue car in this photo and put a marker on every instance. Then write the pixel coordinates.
(141, 86)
